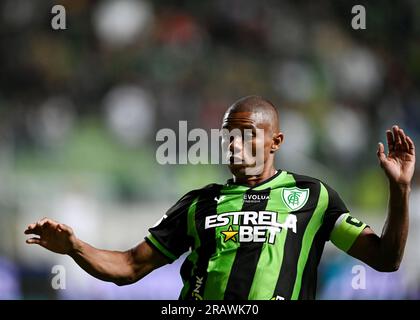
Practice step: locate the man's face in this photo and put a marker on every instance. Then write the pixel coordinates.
(247, 141)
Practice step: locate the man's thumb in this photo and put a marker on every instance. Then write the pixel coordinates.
(381, 152)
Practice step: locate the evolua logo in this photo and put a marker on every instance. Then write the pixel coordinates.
(255, 198)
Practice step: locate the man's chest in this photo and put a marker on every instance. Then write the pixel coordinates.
(247, 218)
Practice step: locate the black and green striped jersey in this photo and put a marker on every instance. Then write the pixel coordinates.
(261, 242)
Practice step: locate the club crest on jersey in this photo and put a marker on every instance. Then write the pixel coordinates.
(295, 198)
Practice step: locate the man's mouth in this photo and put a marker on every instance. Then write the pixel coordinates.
(236, 160)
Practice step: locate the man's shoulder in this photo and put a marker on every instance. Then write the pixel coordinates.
(207, 189)
(310, 181)
(302, 178)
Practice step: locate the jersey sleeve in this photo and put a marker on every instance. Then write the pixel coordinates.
(169, 235)
(338, 225)
(345, 231)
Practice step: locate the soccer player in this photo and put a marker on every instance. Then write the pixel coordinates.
(257, 236)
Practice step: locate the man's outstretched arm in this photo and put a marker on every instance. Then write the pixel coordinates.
(385, 253)
(120, 267)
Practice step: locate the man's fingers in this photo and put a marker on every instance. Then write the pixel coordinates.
(29, 228)
(33, 228)
(411, 147)
(390, 141)
(37, 227)
(404, 141)
(32, 231)
(46, 222)
(380, 152)
(35, 241)
(64, 228)
(397, 138)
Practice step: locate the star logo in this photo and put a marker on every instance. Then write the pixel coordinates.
(230, 234)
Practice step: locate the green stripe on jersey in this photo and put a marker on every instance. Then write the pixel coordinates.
(271, 258)
(308, 237)
(219, 267)
(192, 232)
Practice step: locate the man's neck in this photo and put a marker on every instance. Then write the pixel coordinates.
(255, 179)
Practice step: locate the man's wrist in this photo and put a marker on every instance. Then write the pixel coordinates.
(400, 187)
(76, 249)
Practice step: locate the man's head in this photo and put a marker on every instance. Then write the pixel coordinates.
(256, 119)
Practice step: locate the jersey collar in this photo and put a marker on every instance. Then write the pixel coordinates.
(230, 182)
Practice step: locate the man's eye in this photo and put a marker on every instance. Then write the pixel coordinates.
(248, 135)
(225, 136)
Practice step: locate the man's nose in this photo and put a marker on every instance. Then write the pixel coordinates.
(235, 145)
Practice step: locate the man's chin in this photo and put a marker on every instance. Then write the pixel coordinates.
(243, 170)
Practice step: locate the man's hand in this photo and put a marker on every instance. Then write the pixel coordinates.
(120, 267)
(52, 235)
(399, 163)
(385, 252)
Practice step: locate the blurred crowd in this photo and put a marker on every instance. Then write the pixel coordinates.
(80, 108)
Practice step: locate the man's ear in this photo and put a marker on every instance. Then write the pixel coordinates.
(277, 141)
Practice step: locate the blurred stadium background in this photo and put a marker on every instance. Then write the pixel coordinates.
(80, 108)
